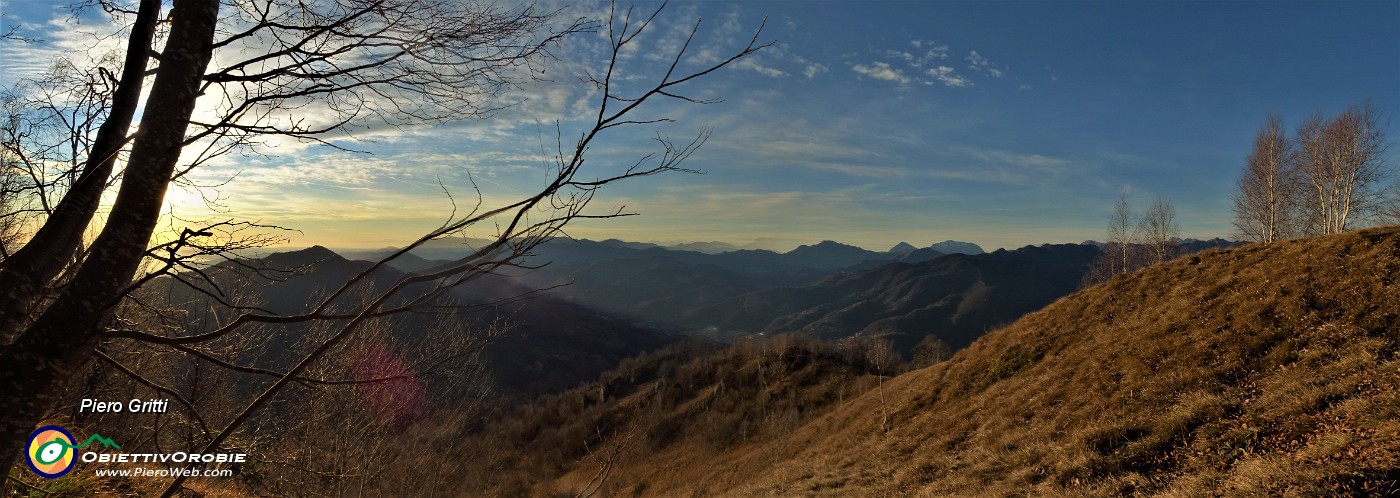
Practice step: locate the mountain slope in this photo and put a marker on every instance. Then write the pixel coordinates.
(1262, 370)
(657, 286)
(705, 247)
(902, 248)
(955, 298)
(652, 287)
(830, 255)
(545, 344)
(957, 247)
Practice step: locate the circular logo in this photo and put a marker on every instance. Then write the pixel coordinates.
(50, 451)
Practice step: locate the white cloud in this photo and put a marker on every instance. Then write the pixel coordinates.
(940, 52)
(947, 76)
(813, 69)
(919, 58)
(1022, 162)
(881, 71)
(753, 63)
(907, 57)
(915, 61)
(980, 64)
(668, 39)
(337, 185)
(91, 44)
(930, 55)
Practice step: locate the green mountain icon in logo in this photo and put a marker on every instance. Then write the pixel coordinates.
(98, 437)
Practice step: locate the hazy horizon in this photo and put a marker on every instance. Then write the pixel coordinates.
(776, 245)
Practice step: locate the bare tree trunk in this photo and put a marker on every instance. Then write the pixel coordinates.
(1267, 192)
(36, 365)
(27, 271)
(1120, 239)
(1160, 232)
(1340, 160)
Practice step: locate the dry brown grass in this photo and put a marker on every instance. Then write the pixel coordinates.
(669, 411)
(1259, 371)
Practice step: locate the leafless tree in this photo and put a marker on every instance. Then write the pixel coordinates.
(390, 62)
(11, 227)
(1158, 232)
(607, 459)
(1136, 242)
(47, 125)
(1120, 236)
(1340, 161)
(930, 350)
(880, 356)
(1267, 195)
(1120, 253)
(1390, 207)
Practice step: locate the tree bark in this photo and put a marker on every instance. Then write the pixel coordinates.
(1266, 201)
(37, 365)
(29, 270)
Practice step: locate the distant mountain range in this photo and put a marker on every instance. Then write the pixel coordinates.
(547, 344)
(827, 290)
(663, 287)
(449, 249)
(705, 247)
(955, 298)
(615, 299)
(1187, 246)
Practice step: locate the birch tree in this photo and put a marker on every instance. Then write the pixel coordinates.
(1266, 195)
(1159, 233)
(1120, 237)
(1341, 163)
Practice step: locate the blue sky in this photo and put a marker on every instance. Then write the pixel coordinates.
(1001, 123)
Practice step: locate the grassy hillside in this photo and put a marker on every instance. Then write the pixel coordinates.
(1262, 370)
(679, 406)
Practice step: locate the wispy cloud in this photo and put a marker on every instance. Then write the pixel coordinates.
(917, 64)
(810, 68)
(740, 214)
(822, 153)
(921, 56)
(881, 70)
(907, 57)
(1018, 159)
(1008, 167)
(95, 42)
(756, 65)
(977, 62)
(947, 76)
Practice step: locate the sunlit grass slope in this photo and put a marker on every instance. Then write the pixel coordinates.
(1263, 370)
(1260, 370)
